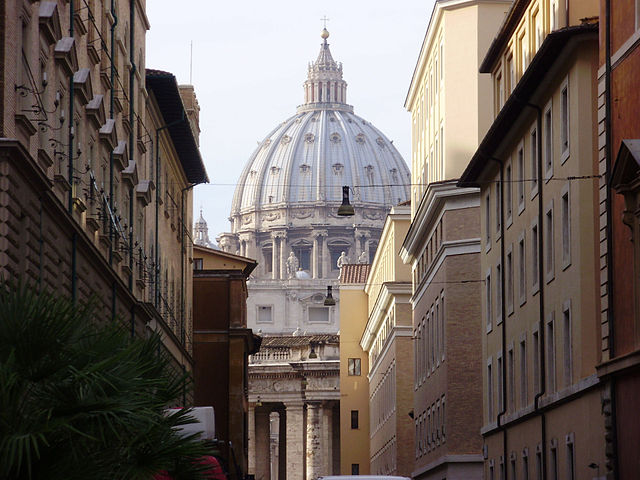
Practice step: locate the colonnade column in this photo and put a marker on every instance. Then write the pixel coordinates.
(262, 467)
(251, 433)
(325, 259)
(327, 438)
(295, 441)
(283, 255)
(314, 441)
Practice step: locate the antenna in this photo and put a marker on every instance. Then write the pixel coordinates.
(191, 64)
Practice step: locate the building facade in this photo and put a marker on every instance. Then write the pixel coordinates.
(222, 344)
(354, 368)
(284, 214)
(443, 248)
(387, 340)
(83, 141)
(450, 105)
(619, 132)
(537, 173)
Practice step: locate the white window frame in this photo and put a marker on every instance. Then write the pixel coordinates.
(524, 398)
(487, 221)
(509, 200)
(511, 377)
(500, 365)
(565, 121)
(520, 176)
(262, 322)
(535, 355)
(549, 241)
(547, 140)
(565, 223)
(490, 399)
(498, 205)
(498, 283)
(571, 460)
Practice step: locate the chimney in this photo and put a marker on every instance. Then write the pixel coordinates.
(190, 101)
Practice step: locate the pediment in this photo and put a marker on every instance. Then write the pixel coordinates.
(82, 84)
(49, 19)
(626, 170)
(95, 110)
(66, 55)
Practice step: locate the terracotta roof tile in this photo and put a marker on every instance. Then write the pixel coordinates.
(297, 341)
(354, 273)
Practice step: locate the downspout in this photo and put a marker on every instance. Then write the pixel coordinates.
(74, 236)
(158, 130)
(608, 205)
(182, 262)
(503, 316)
(111, 108)
(131, 135)
(111, 102)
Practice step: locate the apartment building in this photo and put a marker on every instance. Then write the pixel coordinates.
(450, 105)
(444, 245)
(387, 340)
(537, 173)
(354, 369)
(619, 157)
(97, 158)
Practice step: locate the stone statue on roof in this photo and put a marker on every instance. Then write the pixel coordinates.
(342, 260)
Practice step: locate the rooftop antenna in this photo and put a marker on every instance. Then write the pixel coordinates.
(191, 64)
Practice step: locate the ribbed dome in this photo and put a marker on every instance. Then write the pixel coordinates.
(309, 157)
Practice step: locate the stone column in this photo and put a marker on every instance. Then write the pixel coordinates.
(251, 431)
(274, 257)
(323, 254)
(295, 441)
(262, 458)
(274, 443)
(283, 256)
(327, 438)
(314, 441)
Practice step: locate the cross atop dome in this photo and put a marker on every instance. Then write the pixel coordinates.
(324, 84)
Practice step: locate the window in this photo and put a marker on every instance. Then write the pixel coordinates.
(539, 473)
(499, 389)
(302, 251)
(522, 274)
(523, 373)
(441, 61)
(489, 391)
(525, 464)
(551, 354)
(548, 143)
(442, 323)
(264, 314)
(566, 227)
(554, 459)
(533, 161)
(318, 315)
(487, 288)
(498, 208)
(509, 281)
(513, 468)
(535, 259)
(197, 264)
(267, 254)
(510, 79)
(499, 94)
(355, 469)
(498, 294)
(509, 195)
(567, 344)
(571, 458)
(487, 220)
(536, 361)
(549, 238)
(511, 379)
(354, 420)
(564, 121)
(520, 179)
(354, 366)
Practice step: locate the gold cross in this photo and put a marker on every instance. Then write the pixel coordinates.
(325, 20)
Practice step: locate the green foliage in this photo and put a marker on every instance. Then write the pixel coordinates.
(80, 401)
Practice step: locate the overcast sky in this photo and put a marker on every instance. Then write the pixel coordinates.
(250, 60)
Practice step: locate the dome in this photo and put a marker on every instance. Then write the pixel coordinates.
(307, 159)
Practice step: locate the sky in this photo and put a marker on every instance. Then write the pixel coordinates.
(249, 61)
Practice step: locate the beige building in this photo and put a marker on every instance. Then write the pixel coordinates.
(354, 368)
(387, 340)
(446, 92)
(96, 160)
(450, 109)
(443, 246)
(536, 169)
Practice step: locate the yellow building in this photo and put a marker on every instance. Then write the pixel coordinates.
(537, 173)
(387, 340)
(354, 365)
(446, 92)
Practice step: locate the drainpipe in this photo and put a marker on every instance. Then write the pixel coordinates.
(158, 130)
(74, 236)
(111, 108)
(131, 133)
(182, 262)
(503, 316)
(608, 205)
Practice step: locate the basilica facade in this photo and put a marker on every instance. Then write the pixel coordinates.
(284, 214)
